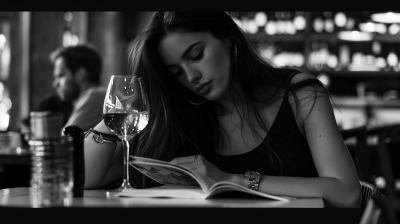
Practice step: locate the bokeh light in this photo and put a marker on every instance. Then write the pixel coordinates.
(68, 16)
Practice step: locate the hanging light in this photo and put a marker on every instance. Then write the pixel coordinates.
(388, 17)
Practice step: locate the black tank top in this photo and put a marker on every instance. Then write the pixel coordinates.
(286, 140)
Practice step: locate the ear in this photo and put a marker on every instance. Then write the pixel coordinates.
(81, 75)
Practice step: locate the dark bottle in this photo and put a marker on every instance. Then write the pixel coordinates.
(79, 161)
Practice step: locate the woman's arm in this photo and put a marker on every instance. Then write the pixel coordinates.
(338, 180)
(103, 162)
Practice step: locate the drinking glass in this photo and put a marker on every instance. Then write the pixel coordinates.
(126, 113)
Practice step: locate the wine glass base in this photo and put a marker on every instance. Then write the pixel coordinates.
(125, 186)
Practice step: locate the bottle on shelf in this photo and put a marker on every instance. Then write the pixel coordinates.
(344, 56)
(340, 19)
(318, 25)
(393, 61)
(299, 21)
(329, 25)
(394, 29)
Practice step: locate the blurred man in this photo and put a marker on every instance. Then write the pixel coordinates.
(77, 75)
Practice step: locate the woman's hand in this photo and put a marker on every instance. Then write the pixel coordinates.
(200, 165)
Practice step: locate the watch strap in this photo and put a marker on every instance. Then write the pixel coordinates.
(253, 179)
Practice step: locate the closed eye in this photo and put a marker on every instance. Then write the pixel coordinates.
(178, 74)
(198, 56)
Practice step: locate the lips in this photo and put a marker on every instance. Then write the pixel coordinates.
(202, 86)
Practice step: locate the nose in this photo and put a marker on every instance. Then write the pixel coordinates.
(193, 75)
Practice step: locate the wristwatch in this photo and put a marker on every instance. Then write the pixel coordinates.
(253, 179)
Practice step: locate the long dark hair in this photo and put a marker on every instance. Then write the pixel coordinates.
(178, 128)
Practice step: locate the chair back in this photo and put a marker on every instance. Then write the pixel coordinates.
(388, 142)
(362, 156)
(381, 210)
(367, 191)
(379, 160)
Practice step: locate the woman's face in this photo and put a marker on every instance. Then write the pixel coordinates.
(199, 61)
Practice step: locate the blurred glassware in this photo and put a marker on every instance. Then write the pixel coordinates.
(52, 172)
(391, 95)
(376, 47)
(52, 178)
(11, 143)
(350, 23)
(280, 25)
(344, 56)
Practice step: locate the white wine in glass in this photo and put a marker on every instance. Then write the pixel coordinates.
(126, 113)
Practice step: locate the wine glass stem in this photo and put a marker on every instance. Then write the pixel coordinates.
(125, 144)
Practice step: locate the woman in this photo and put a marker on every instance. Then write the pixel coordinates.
(213, 95)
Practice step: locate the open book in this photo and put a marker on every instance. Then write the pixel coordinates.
(180, 182)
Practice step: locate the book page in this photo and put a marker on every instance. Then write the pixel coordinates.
(165, 175)
(181, 178)
(169, 173)
(169, 191)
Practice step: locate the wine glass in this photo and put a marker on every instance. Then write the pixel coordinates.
(126, 113)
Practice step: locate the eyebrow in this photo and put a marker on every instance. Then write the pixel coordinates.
(185, 53)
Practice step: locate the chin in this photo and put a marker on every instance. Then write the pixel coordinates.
(62, 98)
(212, 97)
